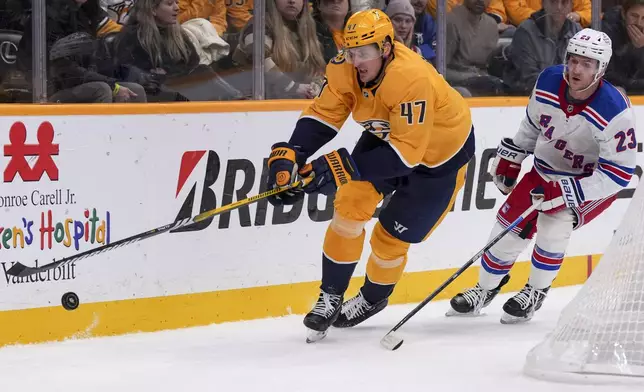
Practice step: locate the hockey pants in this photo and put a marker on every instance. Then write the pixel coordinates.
(552, 229)
(418, 206)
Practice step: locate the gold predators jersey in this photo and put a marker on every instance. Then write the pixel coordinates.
(412, 109)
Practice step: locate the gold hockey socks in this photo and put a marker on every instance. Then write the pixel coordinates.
(385, 266)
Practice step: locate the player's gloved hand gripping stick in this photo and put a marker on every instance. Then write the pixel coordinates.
(392, 342)
(19, 269)
(331, 170)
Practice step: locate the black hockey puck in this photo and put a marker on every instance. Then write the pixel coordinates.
(70, 301)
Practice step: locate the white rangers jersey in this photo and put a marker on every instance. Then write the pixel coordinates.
(591, 146)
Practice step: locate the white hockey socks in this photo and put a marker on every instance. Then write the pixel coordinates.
(497, 262)
(545, 267)
(553, 235)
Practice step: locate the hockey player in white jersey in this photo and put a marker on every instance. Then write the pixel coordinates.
(581, 132)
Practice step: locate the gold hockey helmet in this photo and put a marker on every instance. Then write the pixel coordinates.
(368, 27)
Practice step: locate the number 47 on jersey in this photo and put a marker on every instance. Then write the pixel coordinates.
(413, 110)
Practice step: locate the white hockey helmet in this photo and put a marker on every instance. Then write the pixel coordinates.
(592, 44)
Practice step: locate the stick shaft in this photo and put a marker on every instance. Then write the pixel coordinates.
(471, 261)
(19, 269)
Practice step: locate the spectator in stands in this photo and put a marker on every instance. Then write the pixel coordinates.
(293, 54)
(153, 47)
(238, 14)
(608, 4)
(539, 42)
(495, 9)
(73, 61)
(118, 10)
(424, 30)
(403, 17)
(330, 17)
(472, 36)
(432, 4)
(77, 75)
(212, 10)
(520, 10)
(14, 14)
(625, 27)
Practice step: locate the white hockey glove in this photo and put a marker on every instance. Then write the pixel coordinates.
(557, 195)
(507, 165)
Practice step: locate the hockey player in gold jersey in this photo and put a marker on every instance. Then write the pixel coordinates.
(417, 141)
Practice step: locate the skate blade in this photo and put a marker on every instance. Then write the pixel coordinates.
(509, 319)
(315, 336)
(452, 313)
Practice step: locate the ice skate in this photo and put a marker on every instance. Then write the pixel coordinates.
(324, 313)
(357, 310)
(521, 307)
(472, 301)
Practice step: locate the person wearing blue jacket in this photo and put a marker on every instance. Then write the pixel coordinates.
(424, 31)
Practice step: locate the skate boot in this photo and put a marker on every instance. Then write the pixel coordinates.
(357, 310)
(324, 313)
(471, 301)
(522, 306)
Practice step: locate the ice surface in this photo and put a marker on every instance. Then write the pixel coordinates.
(439, 354)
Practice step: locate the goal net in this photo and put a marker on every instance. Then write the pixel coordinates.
(601, 331)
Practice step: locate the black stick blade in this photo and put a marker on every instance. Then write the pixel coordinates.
(19, 269)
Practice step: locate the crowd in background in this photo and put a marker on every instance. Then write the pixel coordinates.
(200, 50)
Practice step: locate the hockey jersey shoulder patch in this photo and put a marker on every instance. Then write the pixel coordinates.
(548, 83)
(550, 79)
(607, 104)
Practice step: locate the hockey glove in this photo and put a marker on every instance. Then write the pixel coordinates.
(331, 170)
(507, 165)
(558, 195)
(282, 170)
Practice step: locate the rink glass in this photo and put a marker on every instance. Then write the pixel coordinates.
(222, 79)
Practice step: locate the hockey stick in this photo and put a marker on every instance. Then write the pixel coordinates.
(392, 342)
(21, 270)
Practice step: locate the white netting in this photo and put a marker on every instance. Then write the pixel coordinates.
(601, 331)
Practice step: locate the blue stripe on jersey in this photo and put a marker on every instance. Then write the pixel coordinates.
(546, 101)
(608, 102)
(591, 120)
(550, 79)
(546, 169)
(580, 192)
(530, 120)
(629, 170)
(619, 181)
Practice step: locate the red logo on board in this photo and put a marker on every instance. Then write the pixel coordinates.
(18, 150)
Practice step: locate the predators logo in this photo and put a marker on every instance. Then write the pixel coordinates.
(339, 58)
(118, 10)
(379, 128)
